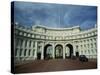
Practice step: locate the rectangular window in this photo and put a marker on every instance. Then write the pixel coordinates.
(33, 43)
(29, 52)
(17, 41)
(81, 46)
(91, 40)
(91, 45)
(84, 41)
(20, 52)
(95, 44)
(30, 43)
(92, 51)
(89, 51)
(85, 51)
(84, 45)
(25, 52)
(76, 46)
(33, 51)
(25, 43)
(16, 50)
(88, 45)
(81, 52)
(21, 43)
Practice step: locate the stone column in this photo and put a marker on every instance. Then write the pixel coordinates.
(18, 53)
(28, 44)
(42, 51)
(35, 56)
(79, 49)
(32, 44)
(63, 51)
(31, 49)
(27, 48)
(19, 43)
(32, 57)
(74, 49)
(53, 54)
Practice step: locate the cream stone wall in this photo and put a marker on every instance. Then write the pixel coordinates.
(28, 42)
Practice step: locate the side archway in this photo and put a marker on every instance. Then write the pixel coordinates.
(48, 51)
(69, 51)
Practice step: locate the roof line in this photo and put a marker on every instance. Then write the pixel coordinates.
(42, 26)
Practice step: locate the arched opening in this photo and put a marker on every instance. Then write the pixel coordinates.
(39, 52)
(59, 51)
(48, 51)
(38, 55)
(77, 54)
(69, 51)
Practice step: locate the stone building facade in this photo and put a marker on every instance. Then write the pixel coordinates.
(39, 42)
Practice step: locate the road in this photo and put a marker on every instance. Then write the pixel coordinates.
(54, 65)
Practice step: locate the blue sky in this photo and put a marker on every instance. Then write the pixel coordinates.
(55, 15)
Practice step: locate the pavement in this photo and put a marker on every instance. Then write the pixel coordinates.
(54, 65)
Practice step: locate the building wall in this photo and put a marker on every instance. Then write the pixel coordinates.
(29, 42)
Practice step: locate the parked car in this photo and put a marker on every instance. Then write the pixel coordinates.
(83, 58)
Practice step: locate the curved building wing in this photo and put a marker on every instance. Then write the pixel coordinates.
(40, 42)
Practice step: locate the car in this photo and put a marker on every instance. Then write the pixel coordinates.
(83, 58)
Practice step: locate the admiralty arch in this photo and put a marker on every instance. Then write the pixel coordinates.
(59, 43)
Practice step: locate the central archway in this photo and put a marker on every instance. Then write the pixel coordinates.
(58, 51)
(48, 51)
(69, 51)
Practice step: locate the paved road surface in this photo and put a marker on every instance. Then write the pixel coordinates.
(54, 65)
